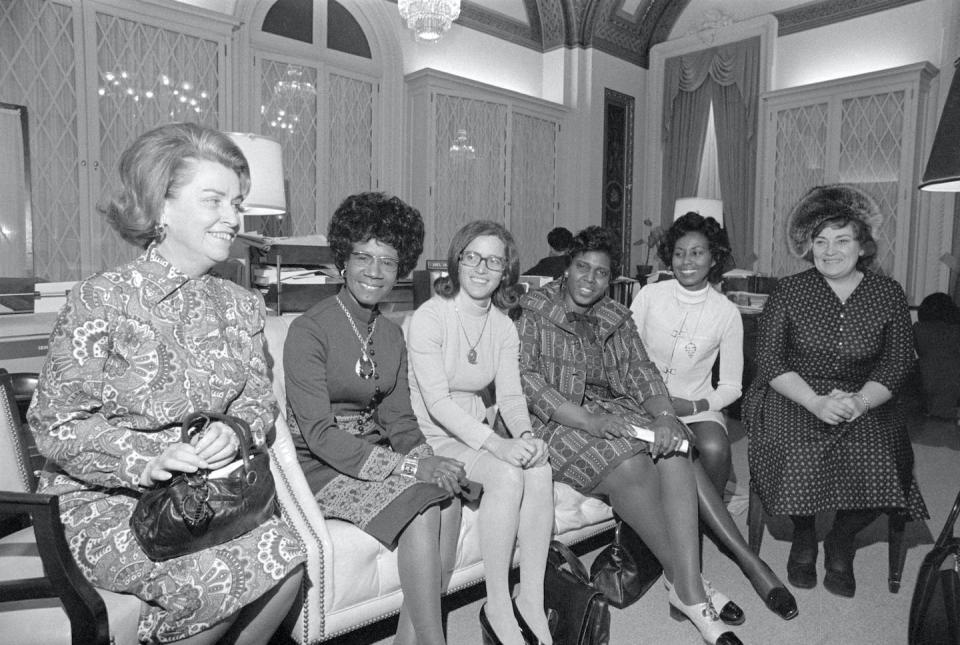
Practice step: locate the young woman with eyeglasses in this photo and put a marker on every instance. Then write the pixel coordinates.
(461, 342)
(348, 407)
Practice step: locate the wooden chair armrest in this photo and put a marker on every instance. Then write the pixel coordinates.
(84, 606)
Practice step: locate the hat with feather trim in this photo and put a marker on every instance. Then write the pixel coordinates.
(822, 203)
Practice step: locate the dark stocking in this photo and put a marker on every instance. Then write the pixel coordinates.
(714, 513)
(839, 549)
(802, 563)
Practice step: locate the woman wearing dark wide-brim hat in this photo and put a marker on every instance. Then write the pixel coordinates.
(826, 428)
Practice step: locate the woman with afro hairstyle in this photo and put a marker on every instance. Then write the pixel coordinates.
(685, 324)
(348, 407)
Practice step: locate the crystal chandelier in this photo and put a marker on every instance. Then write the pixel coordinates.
(429, 18)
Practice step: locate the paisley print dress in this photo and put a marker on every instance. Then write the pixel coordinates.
(133, 349)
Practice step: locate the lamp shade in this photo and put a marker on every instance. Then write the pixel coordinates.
(943, 168)
(705, 207)
(265, 158)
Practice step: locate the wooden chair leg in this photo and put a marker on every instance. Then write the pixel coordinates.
(895, 525)
(756, 521)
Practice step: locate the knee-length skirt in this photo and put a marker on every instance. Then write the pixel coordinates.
(582, 460)
(181, 596)
(800, 465)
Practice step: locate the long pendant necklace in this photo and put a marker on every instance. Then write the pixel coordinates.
(691, 347)
(365, 367)
(472, 353)
(676, 333)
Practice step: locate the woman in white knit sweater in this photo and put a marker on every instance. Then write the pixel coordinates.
(685, 324)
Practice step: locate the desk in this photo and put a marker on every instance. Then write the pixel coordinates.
(24, 340)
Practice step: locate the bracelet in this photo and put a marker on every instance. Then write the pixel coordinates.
(523, 435)
(866, 401)
(666, 413)
(694, 406)
(408, 468)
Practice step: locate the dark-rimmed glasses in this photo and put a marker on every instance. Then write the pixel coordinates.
(388, 264)
(473, 259)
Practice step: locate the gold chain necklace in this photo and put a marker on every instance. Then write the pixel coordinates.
(365, 368)
(472, 353)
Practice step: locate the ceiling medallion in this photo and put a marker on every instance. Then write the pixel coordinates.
(429, 18)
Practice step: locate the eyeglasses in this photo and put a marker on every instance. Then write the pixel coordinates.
(472, 259)
(389, 265)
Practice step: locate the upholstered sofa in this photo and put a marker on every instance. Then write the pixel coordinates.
(351, 578)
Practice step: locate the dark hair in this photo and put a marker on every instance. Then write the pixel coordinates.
(376, 216)
(507, 294)
(600, 239)
(560, 238)
(861, 232)
(938, 307)
(708, 227)
(156, 166)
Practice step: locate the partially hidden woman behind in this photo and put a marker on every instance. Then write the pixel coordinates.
(588, 381)
(826, 430)
(460, 343)
(356, 436)
(685, 324)
(140, 346)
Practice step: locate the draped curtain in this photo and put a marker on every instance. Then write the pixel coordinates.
(729, 77)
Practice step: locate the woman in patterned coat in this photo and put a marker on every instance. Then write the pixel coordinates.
(588, 382)
(141, 346)
(826, 428)
(356, 435)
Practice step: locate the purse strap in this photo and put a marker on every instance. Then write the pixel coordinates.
(947, 534)
(568, 556)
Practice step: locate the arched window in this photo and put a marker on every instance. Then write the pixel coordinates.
(318, 89)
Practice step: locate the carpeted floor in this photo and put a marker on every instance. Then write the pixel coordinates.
(875, 616)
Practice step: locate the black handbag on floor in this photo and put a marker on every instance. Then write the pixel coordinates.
(626, 569)
(935, 607)
(192, 511)
(582, 611)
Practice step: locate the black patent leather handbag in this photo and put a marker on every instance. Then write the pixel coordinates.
(194, 511)
(626, 569)
(935, 606)
(582, 611)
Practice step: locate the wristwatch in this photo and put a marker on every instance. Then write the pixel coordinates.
(409, 467)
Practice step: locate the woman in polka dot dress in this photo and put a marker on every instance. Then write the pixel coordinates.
(826, 429)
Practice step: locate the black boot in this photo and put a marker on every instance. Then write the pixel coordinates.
(802, 563)
(839, 549)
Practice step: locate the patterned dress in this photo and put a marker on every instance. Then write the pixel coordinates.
(351, 433)
(799, 464)
(136, 348)
(598, 363)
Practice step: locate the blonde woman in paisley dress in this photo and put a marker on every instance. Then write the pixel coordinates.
(140, 346)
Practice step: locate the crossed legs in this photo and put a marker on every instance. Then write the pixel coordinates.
(659, 501)
(713, 452)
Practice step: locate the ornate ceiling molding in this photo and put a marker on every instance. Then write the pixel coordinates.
(603, 25)
(474, 16)
(828, 12)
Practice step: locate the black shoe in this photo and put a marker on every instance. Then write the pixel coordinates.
(838, 561)
(528, 636)
(781, 602)
(802, 565)
(486, 629)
